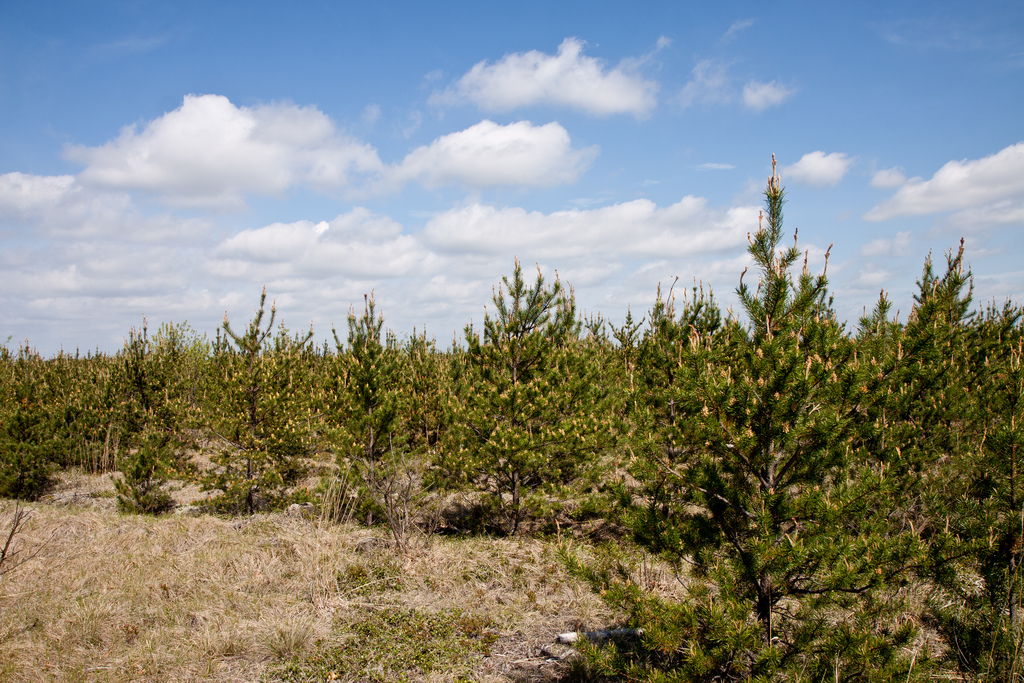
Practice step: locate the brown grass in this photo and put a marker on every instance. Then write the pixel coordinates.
(112, 597)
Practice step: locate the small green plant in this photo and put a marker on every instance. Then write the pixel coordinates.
(147, 423)
(397, 645)
(378, 574)
(25, 472)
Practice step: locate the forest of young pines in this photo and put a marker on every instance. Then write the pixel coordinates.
(839, 500)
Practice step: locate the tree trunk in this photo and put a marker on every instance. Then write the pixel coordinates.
(763, 608)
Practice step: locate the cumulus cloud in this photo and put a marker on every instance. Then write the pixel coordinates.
(888, 178)
(1004, 212)
(710, 84)
(568, 78)
(443, 274)
(210, 153)
(487, 154)
(81, 265)
(24, 195)
(636, 229)
(60, 206)
(990, 189)
(760, 96)
(357, 244)
(77, 262)
(819, 169)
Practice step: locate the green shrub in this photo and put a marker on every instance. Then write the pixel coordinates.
(25, 471)
(27, 442)
(143, 474)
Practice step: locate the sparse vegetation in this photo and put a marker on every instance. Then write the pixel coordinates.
(272, 597)
(774, 498)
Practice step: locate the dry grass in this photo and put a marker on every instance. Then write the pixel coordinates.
(111, 597)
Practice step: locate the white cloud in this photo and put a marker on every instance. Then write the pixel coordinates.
(614, 256)
(888, 178)
(1003, 212)
(25, 195)
(710, 84)
(636, 229)
(77, 262)
(885, 246)
(210, 153)
(444, 274)
(488, 154)
(81, 265)
(759, 96)
(819, 169)
(568, 78)
(358, 244)
(991, 188)
(712, 166)
(736, 27)
(61, 206)
(371, 113)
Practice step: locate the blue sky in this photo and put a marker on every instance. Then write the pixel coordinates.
(169, 159)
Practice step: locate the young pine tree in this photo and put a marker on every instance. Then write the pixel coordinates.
(368, 417)
(752, 480)
(373, 372)
(145, 428)
(261, 414)
(425, 387)
(26, 427)
(526, 415)
(976, 495)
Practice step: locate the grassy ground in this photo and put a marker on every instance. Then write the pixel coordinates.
(112, 597)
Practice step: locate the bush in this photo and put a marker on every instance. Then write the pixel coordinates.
(25, 471)
(143, 474)
(26, 430)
